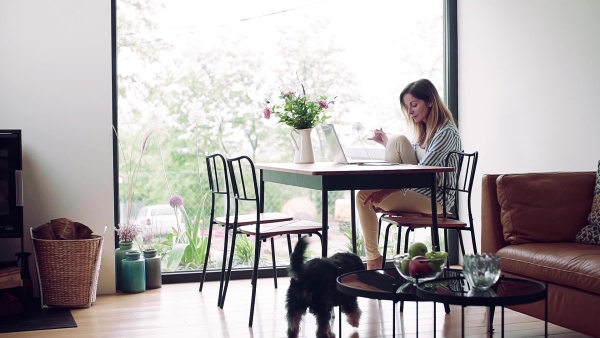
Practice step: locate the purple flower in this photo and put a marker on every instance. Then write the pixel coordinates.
(176, 201)
(148, 237)
(128, 231)
(323, 104)
(267, 112)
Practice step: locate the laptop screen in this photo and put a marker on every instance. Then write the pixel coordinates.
(334, 143)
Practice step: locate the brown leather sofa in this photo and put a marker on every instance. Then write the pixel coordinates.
(530, 221)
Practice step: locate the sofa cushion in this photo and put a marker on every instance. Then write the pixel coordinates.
(590, 234)
(569, 264)
(544, 207)
(594, 217)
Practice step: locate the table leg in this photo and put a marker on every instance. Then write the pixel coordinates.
(417, 310)
(434, 321)
(353, 219)
(324, 220)
(546, 312)
(393, 319)
(502, 322)
(262, 192)
(462, 321)
(490, 323)
(435, 237)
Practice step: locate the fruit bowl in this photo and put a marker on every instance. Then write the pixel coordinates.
(420, 268)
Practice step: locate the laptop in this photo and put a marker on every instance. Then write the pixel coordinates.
(338, 153)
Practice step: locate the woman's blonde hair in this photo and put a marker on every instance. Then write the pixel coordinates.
(438, 115)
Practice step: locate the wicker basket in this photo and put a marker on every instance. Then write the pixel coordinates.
(68, 271)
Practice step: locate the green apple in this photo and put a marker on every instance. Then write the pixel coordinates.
(404, 266)
(417, 249)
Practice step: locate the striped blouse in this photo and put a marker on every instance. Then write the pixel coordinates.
(445, 140)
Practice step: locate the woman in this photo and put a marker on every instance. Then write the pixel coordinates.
(436, 135)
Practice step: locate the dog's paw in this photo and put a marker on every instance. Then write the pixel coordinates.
(354, 318)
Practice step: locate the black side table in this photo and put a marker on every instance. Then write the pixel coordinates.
(506, 292)
(383, 284)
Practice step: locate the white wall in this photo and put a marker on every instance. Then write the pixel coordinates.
(55, 85)
(529, 80)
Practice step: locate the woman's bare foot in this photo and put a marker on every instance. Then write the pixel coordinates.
(374, 264)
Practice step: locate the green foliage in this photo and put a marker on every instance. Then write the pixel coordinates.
(360, 240)
(244, 250)
(298, 111)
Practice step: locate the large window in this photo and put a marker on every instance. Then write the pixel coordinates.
(193, 77)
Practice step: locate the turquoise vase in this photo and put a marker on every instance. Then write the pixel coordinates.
(119, 257)
(134, 272)
(153, 273)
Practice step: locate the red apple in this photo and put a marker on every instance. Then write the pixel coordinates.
(419, 267)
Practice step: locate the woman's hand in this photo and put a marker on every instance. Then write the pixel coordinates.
(376, 197)
(379, 136)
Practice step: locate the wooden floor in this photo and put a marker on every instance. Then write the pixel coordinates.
(179, 310)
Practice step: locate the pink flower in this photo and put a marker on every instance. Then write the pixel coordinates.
(176, 201)
(323, 104)
(288, 94)
(128, 231)
(267, 112)
(148, 237)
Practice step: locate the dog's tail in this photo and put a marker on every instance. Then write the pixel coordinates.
(297, 258)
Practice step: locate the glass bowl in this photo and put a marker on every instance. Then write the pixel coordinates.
(419, 269)
(481, 271)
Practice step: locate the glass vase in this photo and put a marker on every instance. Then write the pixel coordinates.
(134, 272)
(119, 257)
(153, 269)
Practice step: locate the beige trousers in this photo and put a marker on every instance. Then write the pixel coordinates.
(398, 149)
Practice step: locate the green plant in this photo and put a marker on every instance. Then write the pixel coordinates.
(299, 111)
(188, 245)
(360, 241)
(244, 250)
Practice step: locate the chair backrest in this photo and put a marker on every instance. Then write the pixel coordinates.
(461, 180)
(218, 181)
(216, 167)
(243, 181)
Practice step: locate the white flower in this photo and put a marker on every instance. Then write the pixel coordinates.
(358, 127)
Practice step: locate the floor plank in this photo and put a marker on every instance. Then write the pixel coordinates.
(180, 310)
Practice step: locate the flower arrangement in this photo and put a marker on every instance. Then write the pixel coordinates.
(128, 232)
(298, 110)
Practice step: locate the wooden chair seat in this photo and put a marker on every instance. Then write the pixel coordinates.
(293, 227)
(424, 222)
(247, 219)
(412, 214)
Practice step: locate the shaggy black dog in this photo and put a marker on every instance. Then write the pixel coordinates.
(313, 287)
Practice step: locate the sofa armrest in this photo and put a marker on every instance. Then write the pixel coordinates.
(492, 236)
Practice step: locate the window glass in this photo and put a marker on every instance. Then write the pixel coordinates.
(194, 76)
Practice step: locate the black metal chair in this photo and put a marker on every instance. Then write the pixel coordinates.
(245, 190)
(218, 183)
(465, 164)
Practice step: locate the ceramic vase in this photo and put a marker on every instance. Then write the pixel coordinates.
(119, 257)
(152, 266)
(303, 149)
(134, 272)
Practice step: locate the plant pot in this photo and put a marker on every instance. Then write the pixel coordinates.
(119, 257)
(303, 149)
(153, 269)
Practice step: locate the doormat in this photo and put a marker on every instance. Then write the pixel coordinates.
(34, 318)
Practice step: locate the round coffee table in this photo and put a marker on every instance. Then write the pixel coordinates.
(383, 284)
(506, 292)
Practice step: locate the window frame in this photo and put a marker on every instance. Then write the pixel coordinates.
(451, 94)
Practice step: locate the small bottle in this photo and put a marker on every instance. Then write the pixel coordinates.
(153, 269)
(119, 257)
(134, 273)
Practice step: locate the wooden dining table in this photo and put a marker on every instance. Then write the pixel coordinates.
(331, 176)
